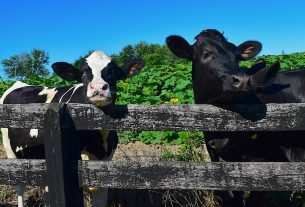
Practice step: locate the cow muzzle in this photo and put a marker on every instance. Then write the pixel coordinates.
(99, 93)
(240, 82)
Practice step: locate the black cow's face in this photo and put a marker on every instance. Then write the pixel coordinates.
(215, 63)
(99, 75)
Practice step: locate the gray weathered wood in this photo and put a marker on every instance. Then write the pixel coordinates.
(54, 160)
(60, 151)
(166, 175)
(279, 117)
(22, 115)
(208, 176)
(29, 172)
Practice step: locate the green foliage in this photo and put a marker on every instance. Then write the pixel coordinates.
(163, 84)
(288, 62)
(27, 64)
(164, 80)
(191, 148)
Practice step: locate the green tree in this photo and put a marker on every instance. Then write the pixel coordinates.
(82, 59)
(152, 54)
(126, 54)
(27, 64)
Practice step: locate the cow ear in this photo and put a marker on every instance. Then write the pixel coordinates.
(133, 67)
(248, 50)
(67, 71)
(180, 47)
(264, 77)
(257, 66)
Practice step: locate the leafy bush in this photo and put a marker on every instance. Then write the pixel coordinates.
(288, 62)
(162, 81)
(164, 84)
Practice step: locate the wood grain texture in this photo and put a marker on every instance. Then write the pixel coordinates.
(208, 176)
(166, 175)
(54, 157)
(273, 117)
(60, 150)
(22, 115)
(29, 172)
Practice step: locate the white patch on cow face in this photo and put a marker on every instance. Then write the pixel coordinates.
(50, 92)
(34, 133)
(7, 144)
(97, 61)
(16, 85)
(98, 90)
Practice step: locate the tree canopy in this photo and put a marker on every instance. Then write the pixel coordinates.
(26, 65)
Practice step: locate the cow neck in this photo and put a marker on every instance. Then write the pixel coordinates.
(74, 90)
(206, 90)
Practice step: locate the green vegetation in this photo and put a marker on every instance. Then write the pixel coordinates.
(27, 65)
(165, 79)
(288, 62)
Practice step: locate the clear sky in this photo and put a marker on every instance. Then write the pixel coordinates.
(67, 29)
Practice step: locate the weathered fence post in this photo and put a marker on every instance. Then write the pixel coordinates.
(62, 152)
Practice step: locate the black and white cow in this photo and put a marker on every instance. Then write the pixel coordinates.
(97, 85)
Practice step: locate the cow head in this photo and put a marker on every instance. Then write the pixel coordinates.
(99, 75)
(216, 73)
(261, 79)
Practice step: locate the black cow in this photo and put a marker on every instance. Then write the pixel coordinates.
(97, 86)
(218, 80)
(286, 146)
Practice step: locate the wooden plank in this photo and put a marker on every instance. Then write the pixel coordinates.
(208, 176)
(276, 117)
(26, 172)
(22, 115)
(166, 175)
(62, 177)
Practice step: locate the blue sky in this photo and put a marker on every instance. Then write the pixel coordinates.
(67, 29)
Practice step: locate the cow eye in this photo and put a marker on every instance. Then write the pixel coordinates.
(206, 54)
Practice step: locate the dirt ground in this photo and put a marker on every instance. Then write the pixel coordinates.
(133, 151)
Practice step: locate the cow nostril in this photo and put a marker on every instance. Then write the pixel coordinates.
(236, 81)
(105, 87)
(212, 144)
(90, 86)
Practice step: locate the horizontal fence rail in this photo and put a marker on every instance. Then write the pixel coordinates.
(272, 117)
(65, 175)
(29, 172)
(166, 175)
(23, 115)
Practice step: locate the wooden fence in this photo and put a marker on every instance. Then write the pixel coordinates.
(66, 175)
